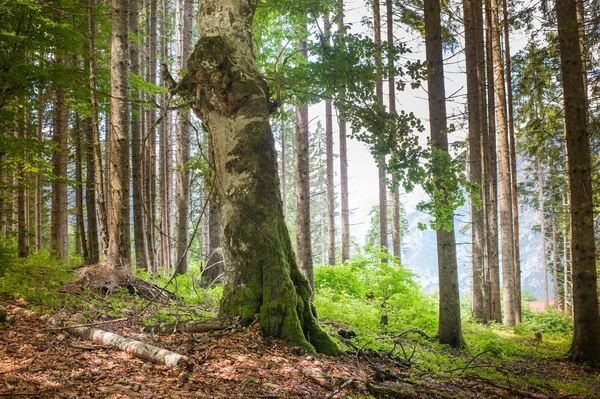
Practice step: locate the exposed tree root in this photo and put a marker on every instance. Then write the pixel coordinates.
(193, 326)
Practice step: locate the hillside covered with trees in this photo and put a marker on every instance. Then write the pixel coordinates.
(176, 207)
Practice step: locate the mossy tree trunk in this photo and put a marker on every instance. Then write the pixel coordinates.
(261, 273)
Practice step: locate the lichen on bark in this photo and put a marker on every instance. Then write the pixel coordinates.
(229, 96)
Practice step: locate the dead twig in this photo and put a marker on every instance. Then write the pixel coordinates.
(338, 389)
(359, 352)
(512, 390)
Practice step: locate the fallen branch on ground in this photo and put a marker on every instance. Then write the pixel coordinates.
(17, 310)
(193, 326)
(131, 346)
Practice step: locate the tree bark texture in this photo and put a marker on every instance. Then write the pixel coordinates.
(94, 140)
(23, 192)
(302, 172)
(39, 180)
(383, 219)
(586, 336)
(450, 330)
(182, 191)
(491, 174)
(513, 165)
(396, 222)
(504, 176)
(540, 175)
(83, 244)
(474, 31)
(345, 210)
(261, 273)
(137, 174)
(119, 245)
(59, 239)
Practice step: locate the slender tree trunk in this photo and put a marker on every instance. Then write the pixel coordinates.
(493, 263)
(586, 336)
(329, 165)
(565, 254)
(472, 32)
(345, 210)
(183, 197)
(283, 171)
(396, 222)
(513, 166)
(149, 142)
(139, 227)
(59, 239)
(261, 275)
(303, 241)
(39, 180)
(450, 330)
(23, 192)
(94, 140)
(83, 244)
(383, 220)
(555, 263)
(119, 245)
(540, 176)
(504, 177)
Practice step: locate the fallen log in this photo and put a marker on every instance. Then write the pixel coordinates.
(131, 346)
(136, 348)
(192, 326)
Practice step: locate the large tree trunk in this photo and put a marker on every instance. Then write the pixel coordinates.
(59, 239)
(139, 227)
(450, 330)
(303, 236)
(474, 31)
(119, 245)
(214, 263)
(345, 210)
(493, 263)
(261, 273)
(513, 166)
(555, 263)
(504, 176)
(586, 336)
(184, 41)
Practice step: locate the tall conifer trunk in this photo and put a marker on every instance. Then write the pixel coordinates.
(345, 210)
(474, 30)
(303, 239)
(450, 330)
(329, 165)
(59, 239)
(119, 245)
(586, 336)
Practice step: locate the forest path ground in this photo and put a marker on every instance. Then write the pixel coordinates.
(39, 362)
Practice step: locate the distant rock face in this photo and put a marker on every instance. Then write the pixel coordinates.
(420, 253)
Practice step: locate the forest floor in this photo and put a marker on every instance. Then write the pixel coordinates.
(40, 361)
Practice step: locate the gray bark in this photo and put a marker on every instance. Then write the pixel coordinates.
(450, 330)
(119, 245)
(59, 239)
(586, 336)
(329, 168)
(473, 33)
(139, 227)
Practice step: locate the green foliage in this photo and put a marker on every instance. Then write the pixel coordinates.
(548, 322)
(37, 278)
(364, 289)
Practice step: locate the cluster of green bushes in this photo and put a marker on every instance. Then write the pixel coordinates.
(372, 295)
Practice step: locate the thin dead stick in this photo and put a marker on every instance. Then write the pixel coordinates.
(98, 323)
(337, 390)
